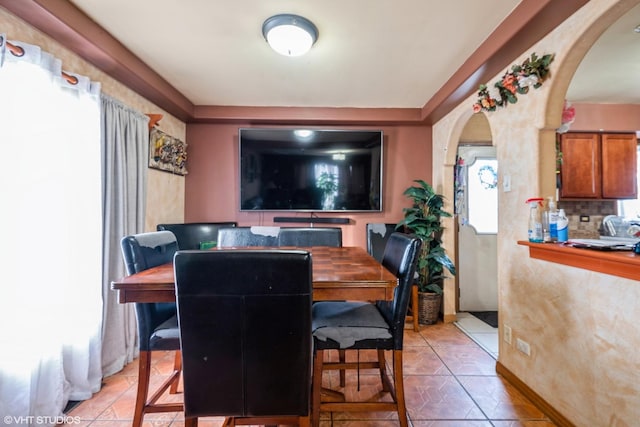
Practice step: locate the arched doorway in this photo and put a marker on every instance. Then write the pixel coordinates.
(476, 222)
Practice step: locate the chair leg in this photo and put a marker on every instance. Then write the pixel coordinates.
(395, 388)
(146, 404)
(399, 387)
(318, 359)
(144, 372)
(342, 357)
(414, 307)
(383, 370)
(191, 422)
(304, 422)
(177, 366)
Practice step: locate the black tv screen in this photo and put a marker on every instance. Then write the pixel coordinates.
(310, 170)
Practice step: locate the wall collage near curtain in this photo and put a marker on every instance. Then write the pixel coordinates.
(125, 154)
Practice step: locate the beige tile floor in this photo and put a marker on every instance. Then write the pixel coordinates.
(450, 381)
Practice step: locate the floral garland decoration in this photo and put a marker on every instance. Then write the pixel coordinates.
(531, 73)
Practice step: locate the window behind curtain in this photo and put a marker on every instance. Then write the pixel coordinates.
(50, 298)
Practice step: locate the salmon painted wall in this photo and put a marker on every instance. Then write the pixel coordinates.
(211, 187)
(607, 117)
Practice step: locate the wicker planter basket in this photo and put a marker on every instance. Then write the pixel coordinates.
(428, 307)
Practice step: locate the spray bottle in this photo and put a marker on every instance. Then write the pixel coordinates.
(535, 219)
(552, 212)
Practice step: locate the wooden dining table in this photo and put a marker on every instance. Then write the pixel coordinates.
(344, 273)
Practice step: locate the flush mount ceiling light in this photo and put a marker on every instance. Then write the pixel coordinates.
(289, 35)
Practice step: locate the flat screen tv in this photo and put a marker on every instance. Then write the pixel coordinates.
(310, 170)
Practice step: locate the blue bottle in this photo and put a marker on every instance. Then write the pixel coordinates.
(563, 226)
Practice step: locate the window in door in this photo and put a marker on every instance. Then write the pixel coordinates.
(482, 195)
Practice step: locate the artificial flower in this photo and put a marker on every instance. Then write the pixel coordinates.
(509, 82)
(568, 117)
(531, 73)
(568, 112)
(527, 81)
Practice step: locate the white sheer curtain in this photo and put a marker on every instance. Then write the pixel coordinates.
(50, 297)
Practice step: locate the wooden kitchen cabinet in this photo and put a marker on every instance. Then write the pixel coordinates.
(580, 172)
(619, 166)
(598, 166)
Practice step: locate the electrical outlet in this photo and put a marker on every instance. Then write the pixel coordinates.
(523, 347)
(507, 334)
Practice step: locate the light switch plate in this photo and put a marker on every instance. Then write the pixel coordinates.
(507, 334)
(506, 183)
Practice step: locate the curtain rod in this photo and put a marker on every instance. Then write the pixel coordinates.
(18, 51)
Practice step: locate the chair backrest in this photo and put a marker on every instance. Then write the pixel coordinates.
(141, 252)
(245, 329)
(248, 236)
(401, 258)
(310, 236)
(145, 250)
(191, 234)
(377, 236)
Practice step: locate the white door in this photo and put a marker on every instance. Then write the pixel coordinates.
(477, 212)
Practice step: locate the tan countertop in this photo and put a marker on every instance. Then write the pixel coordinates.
(617, 263)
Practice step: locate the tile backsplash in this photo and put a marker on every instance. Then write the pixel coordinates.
(596, 210)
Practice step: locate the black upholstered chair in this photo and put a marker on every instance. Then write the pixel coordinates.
(310, 236)
(245, 329)
(377, 236)
(248, 236)
(157, 322)
(351, 325)
(191, 234)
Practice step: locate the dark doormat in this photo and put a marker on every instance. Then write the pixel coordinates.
(71, 405)
(488, 317)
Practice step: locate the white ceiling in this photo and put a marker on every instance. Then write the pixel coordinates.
(610, 72)
(379, 53)
(369, 53)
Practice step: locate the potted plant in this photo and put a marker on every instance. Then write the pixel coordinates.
(423, 219)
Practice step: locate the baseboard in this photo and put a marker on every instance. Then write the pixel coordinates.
(449, 318)
(534, 397)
